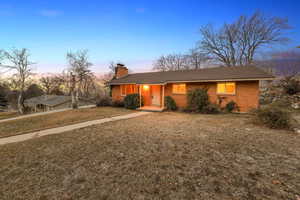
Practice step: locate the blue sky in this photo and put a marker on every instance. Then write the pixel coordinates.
(134, 32)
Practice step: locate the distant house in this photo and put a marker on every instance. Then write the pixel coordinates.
(239, 84)
(52, 102)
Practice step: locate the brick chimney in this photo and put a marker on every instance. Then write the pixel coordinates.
(120, 71)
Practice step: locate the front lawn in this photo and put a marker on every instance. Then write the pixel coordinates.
(157, 156)
(6, 115)
(52, 120)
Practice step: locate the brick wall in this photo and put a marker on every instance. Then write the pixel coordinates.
(120, 71)
(246, 97)
(116, 93)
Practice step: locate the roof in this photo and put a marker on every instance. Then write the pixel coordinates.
(200, 75)
(48, 100)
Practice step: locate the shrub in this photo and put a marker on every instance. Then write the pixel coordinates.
(230, 106)
(211, 109)
(132, 101)
(103, 101)
(273, 117)
(118, 103)
(197, 100)
(281, 103)
(170, 103)
(290, 85)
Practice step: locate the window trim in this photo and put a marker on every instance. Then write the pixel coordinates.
(179, 92)
(123, 86)
(226, 93)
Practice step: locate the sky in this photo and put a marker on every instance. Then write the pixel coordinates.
(132, 32)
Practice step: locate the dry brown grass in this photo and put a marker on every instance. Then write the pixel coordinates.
(36, 123)
(6, 115)
(158, 156)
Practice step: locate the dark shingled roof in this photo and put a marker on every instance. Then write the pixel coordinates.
(200, 75)
(49, 100)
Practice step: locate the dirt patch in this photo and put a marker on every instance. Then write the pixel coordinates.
(157, 156)
(36, 123)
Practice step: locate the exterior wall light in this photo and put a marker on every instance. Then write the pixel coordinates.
(146, 87)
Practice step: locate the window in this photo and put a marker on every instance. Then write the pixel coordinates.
(226, 88)
(123, 90)
(179, 89)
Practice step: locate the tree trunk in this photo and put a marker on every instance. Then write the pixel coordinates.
(20, 103)
(73, 93)
(74, 102)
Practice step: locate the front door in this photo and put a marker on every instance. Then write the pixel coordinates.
(155, 95)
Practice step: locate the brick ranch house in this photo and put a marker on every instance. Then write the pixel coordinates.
(240, 84)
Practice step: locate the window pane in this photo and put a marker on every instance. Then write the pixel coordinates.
(230, 88)
(221, 88)
(179, 88)
(226, 88)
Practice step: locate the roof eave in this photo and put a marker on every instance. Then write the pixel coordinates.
(216, 80)
(190, 81)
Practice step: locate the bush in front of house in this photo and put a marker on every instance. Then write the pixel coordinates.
(132, 101)
(170, 103)
(103, 101)
(117, 103)
(197, 100)
(211, 109)
(231, 106)
(273, 117)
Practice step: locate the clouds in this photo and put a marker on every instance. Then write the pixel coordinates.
(50, 13)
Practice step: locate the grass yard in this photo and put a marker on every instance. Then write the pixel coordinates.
(6, 115)
(157, 156)
(36, 123)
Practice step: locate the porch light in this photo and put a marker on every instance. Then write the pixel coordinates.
(145, 87)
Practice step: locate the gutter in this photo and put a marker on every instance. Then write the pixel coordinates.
(193, 81)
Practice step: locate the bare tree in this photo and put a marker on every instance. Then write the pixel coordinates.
(80, 74)
(19, 62)
(171, 62)
(282, 63)
(237, 43)
(46, 83)
(196, 59)
(111, 74)
(52, 83)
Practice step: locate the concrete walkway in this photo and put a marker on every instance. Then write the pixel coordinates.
(28, 136)
(43, 113)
